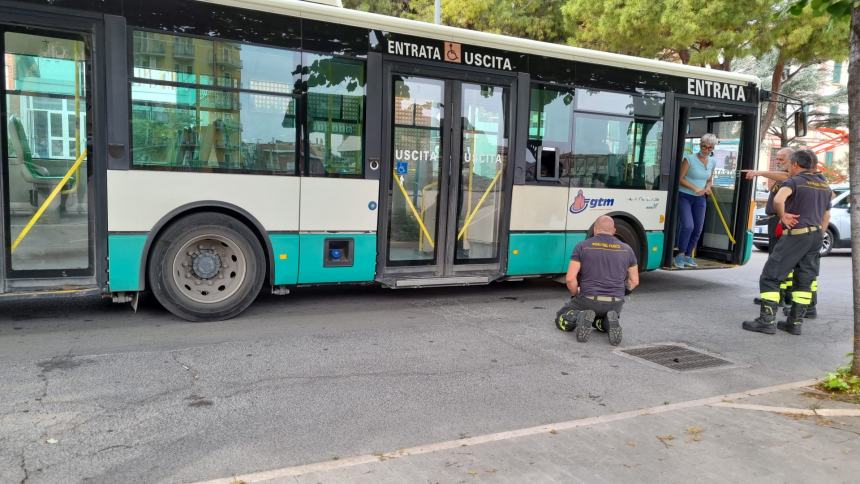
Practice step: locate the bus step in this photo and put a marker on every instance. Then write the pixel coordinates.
(52, 294)
(442, 281)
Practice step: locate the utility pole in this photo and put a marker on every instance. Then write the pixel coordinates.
(437, 18)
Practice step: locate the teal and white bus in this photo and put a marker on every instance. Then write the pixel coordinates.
(204, 150)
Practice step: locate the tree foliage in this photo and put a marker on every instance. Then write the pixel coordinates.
(799, 82)
(411, 9)
(800, 38)
(696, 32)
(531, 19)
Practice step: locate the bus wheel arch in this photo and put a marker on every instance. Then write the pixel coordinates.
(205, 206)
(206, 266)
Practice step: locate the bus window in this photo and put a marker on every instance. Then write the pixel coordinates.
(336, 89)
(650, 104)
(212, 105)
(550, 119)
(616, 152)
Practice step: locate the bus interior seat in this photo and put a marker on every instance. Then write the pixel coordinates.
(41, 177)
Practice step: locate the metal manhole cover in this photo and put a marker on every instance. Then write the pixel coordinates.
(676, 357)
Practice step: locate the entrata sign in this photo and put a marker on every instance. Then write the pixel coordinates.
(451, 52)
(717, 90)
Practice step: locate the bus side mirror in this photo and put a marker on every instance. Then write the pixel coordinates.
(800, 123)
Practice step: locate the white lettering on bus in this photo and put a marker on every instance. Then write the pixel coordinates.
(415, 155)
(409, 49)
(719, 90)
(485, 159)
(397, 47)
(486, 60)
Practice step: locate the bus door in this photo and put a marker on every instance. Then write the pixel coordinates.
(445, 176)
(724, 238)
(46, 103)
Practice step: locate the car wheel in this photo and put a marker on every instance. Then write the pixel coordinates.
(826, 243)
(761, 247)
(206, 267)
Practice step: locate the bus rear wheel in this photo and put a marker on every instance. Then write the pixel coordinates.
(206, 267)
(627, 234)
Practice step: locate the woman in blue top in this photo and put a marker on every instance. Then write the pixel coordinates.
(697, 177)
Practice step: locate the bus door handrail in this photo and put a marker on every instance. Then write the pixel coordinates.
(722, 217)
(36, 216)
(413, 209)
(479, 204)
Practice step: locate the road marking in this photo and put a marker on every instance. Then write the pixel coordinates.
(820, 412)
(496, 437)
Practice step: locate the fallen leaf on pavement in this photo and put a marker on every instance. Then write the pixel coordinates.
(695, 434)
(665, 439)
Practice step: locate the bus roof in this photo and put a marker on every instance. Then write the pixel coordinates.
(314, 11)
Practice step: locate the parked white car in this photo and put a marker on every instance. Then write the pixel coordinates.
(838, 234)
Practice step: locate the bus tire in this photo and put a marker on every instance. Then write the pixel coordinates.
(627, 234)
(206, 267)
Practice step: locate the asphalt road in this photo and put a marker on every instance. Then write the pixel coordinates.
(94, 392)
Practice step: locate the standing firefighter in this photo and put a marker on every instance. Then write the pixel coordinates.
(774, 227)
(802, 205)
(602, 270)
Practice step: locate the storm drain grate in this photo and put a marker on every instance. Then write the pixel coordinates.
(678, 358)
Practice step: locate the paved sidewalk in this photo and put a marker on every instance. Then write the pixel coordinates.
(785, 433)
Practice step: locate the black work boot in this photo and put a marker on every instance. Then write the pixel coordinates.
(757, 301)
(565, 319)
(795, 320)
(613, 327)
(811, 312)
(584, 321)
(765, 322)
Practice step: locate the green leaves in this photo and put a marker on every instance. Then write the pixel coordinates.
(835, 8)
(841, 381)
(530, 19)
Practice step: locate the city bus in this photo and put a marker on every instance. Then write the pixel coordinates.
(205, 150)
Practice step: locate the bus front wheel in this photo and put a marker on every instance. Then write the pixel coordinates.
(206, 267)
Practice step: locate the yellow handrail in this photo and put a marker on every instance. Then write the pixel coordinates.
(480, 202)
(51, 197)
(414, 211)
(722, 218)
(424, 208)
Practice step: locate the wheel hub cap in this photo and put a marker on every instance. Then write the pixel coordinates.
(206, 264)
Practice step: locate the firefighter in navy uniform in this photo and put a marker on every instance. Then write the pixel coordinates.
(601, 272)
(803, 207)
(774, 228)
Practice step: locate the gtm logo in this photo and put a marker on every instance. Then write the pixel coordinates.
(580, 203)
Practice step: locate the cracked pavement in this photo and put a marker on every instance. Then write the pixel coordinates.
(335, 372)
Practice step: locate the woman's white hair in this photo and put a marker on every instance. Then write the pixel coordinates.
(709, 139)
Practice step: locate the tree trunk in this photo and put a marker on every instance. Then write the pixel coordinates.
(854, 174)
(775, 86)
